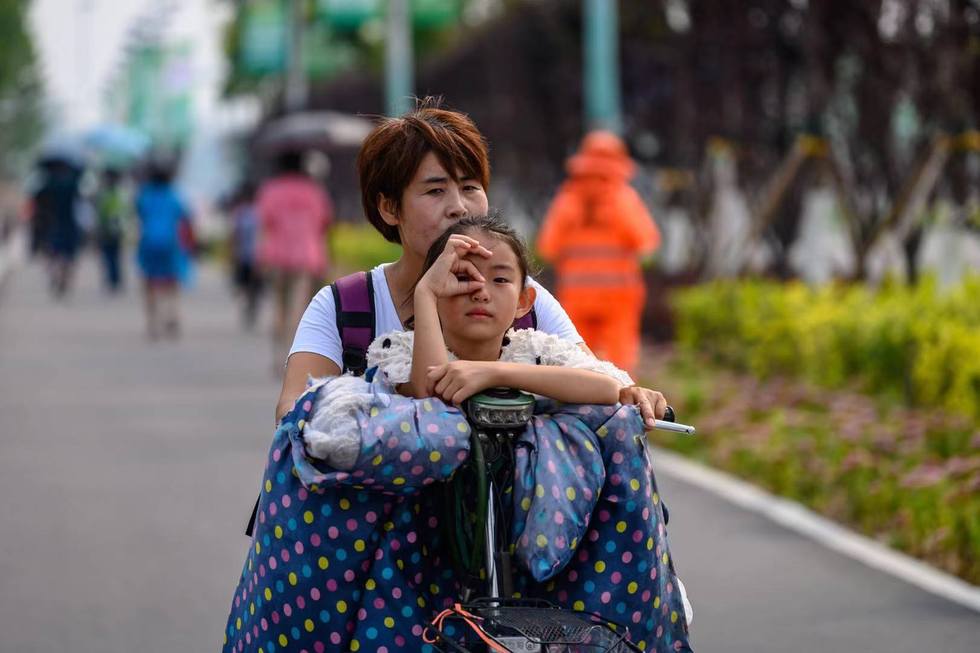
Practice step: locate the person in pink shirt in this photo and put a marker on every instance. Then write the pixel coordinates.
(294, 213)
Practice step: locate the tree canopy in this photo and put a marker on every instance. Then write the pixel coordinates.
(20, 88)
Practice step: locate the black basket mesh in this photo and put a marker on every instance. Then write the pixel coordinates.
(542, 627)
(547, 625)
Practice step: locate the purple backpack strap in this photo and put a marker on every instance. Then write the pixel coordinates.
(529, 321)
(353, 297)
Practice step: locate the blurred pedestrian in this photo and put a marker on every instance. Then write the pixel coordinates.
(111, 211)
(57, 233)
(595, 233)
(294, 214)
(165, 239)
(244, 250)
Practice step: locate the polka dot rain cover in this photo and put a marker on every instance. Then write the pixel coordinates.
(354, 560)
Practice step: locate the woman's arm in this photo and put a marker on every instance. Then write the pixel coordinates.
(317, 350)
(299, 368)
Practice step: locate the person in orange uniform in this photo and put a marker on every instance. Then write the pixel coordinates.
(595, 233)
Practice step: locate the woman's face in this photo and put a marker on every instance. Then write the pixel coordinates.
(431, 202)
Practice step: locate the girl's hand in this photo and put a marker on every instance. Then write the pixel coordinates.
(452, 274)
(459, 380)
(651, 403)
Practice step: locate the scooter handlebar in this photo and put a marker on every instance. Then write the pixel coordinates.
(668, 423)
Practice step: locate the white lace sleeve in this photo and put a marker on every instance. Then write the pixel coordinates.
(531, 346)
(392, 353)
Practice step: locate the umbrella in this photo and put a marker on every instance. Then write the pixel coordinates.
(62, 149)
(117, 142)
(313, 130)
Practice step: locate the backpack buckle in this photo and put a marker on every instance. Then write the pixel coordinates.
(355, 361)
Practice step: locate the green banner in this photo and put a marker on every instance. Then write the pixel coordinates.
(323, 56)
(434, 13)
(350, 15)
(158, 85)
(263, 37)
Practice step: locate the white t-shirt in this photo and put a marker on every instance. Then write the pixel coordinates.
(317, 331)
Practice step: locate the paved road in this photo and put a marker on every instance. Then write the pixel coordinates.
(127, 471)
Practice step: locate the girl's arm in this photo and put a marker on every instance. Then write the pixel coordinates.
(459, 380)
(566, 384)
(429, 347)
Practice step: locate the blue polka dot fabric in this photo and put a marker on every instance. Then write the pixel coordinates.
(621, 568)
(353, 560)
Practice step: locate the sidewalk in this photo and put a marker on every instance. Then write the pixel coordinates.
(12, 252)
(127, 470)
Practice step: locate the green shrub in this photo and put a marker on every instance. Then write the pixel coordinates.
(358, 246)
(907, 477)
(904, 468)
(920, 344)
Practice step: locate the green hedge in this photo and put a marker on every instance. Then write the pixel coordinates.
(921, 344)
(907, 477)
(880, 428)
(358, 246)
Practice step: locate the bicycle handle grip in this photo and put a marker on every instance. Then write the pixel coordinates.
(668, 423)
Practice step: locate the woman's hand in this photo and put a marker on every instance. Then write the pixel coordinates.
(651, 403)
(457, 381)
(452, 274)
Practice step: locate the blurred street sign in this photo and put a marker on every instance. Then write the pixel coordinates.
(158, 90)
(350, 15)
(264, 37)
(434, 13)
(324, 56)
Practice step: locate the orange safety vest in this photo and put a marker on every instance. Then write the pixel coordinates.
(597, 227)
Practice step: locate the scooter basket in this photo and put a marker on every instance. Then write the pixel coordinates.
(526, 626)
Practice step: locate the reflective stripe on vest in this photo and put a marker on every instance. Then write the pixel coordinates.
(595, 251)
(593, 279)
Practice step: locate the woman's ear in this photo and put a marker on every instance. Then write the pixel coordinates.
(526, 301)
(388, 208)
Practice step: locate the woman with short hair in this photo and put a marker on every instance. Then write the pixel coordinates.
(418, 173)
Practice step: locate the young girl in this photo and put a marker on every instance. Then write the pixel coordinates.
(471, 291)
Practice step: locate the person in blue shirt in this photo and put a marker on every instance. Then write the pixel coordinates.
(164, 240)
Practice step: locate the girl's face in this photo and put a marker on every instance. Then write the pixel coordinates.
(487, 313)
(431, 202)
